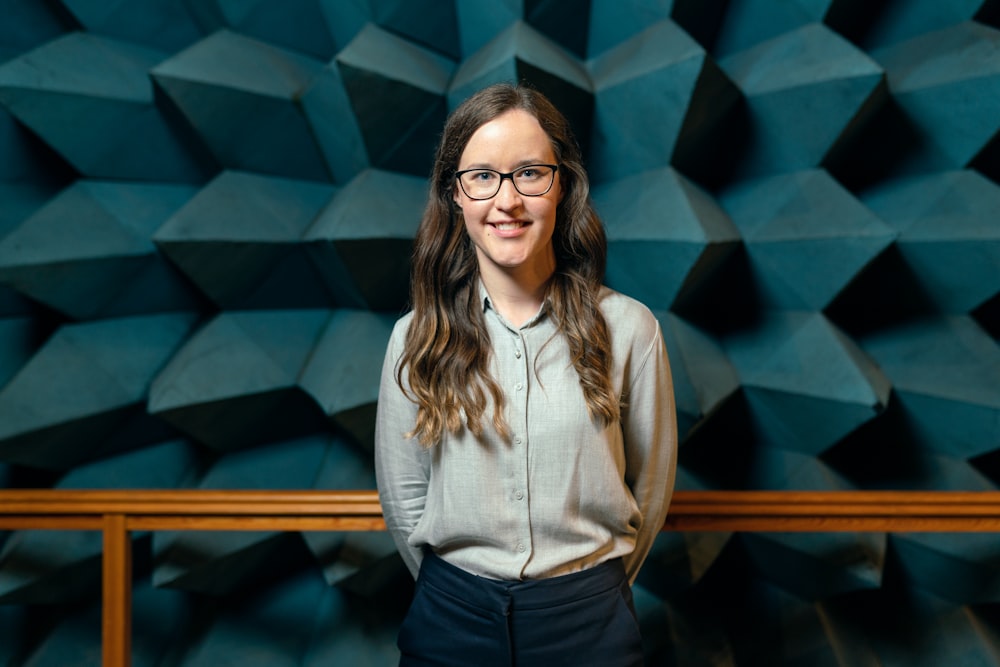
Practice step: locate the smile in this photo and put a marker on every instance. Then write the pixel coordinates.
(508, 226)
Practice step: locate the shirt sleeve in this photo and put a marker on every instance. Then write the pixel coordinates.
(649, 429)
(401, 464)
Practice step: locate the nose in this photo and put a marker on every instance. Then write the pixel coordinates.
(508, 196)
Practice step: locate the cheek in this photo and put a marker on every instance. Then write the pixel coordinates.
(463, 205)
(471, 210)
(547, 211)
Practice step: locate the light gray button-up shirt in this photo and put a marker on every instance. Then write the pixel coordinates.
(565, 493)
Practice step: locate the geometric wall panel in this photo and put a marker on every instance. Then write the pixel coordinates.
(215, 564)
(967, 565)
(479, 23)
(660, 261)
(749, 22)
(163, 24)
(948, 234)
(13, 631)
(36, 23)
(437, 28)
(377, 66)
(285, 618)
(806, 236)
(783, 629)
(885, 454)
(660, 73)
(569, 30)
(807, 383)
(702, 374)
(81, 396)
(770, 467)
(26, 165)
(342, 372)
(207, 213)
(947, 84)
(90, 99)
(87, 252)
(239, 96)
(615, 21)
(43, 567)
(317, 27)
(367, 264)
(161, 618)
(16, 345)
(239, 241)
(353, 560)
(345, 635)
(818, 566)
(951, 398)
(522, 53)
(899, 625)
(804, 89)
(234, 383)
(899, 20)
(46, 566)
(682, 559)
(329, 112)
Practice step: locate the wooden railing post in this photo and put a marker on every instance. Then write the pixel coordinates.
(117, 592)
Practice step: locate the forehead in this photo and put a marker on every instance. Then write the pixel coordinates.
(511, 138)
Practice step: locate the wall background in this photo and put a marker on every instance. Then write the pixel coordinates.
(205, 218)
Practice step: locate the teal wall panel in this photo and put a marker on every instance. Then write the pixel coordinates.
(206, 217)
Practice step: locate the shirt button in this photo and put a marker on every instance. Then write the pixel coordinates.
(520, 547)
(517, 353)
(519, 495)
(519, 386)
(517, 440)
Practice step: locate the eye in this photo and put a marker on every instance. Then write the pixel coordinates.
(529, 173)
(480, 176)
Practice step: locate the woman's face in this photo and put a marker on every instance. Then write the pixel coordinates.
(512, 232)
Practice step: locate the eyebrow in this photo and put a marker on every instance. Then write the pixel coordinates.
(517, 165)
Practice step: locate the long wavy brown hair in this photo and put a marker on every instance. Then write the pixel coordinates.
(447, 350)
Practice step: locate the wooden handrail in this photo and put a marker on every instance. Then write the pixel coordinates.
(835, 511)
(758, 511)
(118, 512)
(194, 509)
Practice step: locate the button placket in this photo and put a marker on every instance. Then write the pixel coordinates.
(519, 397)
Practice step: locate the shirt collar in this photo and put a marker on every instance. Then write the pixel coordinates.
(488, 305)
(484, 296)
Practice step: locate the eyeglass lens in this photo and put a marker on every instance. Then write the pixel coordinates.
(530, 181)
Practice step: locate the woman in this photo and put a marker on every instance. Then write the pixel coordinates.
(526, 435)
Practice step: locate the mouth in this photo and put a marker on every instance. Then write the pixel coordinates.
(510, 226)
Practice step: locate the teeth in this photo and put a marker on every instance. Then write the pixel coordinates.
(508, 226)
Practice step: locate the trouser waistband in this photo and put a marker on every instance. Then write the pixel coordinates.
(492, 594)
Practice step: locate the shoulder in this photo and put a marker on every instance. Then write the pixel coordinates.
(398, 337)
(627, 317)
(402, 325)
(636, 336)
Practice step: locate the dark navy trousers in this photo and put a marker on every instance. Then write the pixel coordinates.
(458, 619)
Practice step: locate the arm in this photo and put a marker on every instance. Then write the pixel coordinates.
(649, 428)
(401, 464)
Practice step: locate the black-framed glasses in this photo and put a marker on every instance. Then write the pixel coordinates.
(532, 180)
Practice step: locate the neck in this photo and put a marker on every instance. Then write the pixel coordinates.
(517, 295)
